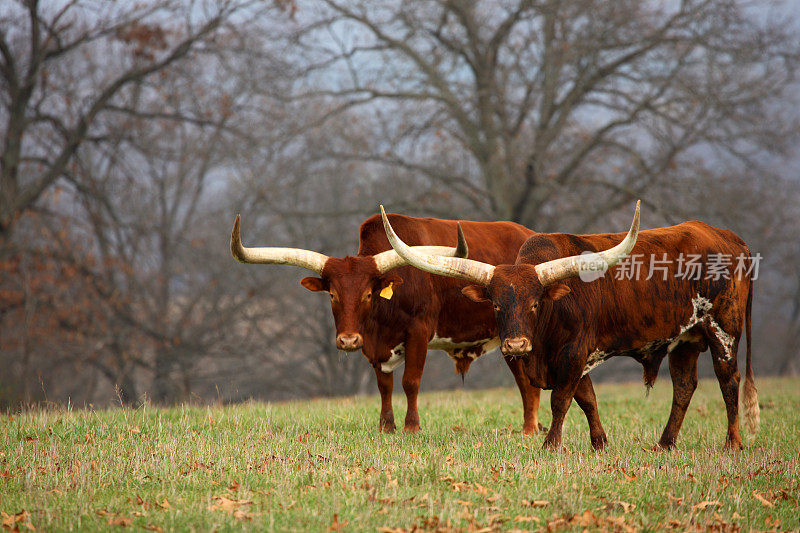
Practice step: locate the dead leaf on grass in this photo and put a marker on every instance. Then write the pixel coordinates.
(122, 521)
(536, 503)
(336, 525)
(762, 500)
(702, 506)
(232, 507)
(12, 522)
(677, 500)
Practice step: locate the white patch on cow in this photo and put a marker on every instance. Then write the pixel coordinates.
(398, 358)
(686, 336)
(688, 333)
(596, 358)
(724, 339)
(492, 345)
(459, 350)
(701, 308)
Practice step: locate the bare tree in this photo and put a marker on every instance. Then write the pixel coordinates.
(64, 66)
(538, 101)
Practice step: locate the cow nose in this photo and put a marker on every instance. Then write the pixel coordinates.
(349, 341)
(516, 346)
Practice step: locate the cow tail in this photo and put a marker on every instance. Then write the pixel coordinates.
(750, 400)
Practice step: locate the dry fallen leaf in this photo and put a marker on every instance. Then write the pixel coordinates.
(122, 521)
(762, 500)
(14, 521)
(536, 503)
(228, 505)
(674, 499)
(336, 525)
(631, 477)
(705, 505)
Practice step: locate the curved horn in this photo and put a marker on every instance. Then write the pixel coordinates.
(281, 256)
(454, 267)
(390, 259)
(566, 267)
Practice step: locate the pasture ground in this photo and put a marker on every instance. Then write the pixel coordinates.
(322, 466)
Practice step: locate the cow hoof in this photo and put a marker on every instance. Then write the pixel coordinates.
(551, 445)
(733, 446)
(386, 428)
(411, 429)
(598, 443)
(533, 430)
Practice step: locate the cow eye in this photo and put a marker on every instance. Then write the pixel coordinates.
(368, 296)
(496, 307)
(534, 306)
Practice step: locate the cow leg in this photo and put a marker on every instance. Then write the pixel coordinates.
(530, 397)
(560, 400)
(683, 370)
(385, 385)
(587, 401)
(725, 367)
(416, 352)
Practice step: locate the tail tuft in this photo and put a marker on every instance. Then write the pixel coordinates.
(752, 412)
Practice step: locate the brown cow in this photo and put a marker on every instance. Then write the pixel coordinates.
(569, 326)
(395, 315)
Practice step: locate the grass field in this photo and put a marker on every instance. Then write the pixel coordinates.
(322, 466)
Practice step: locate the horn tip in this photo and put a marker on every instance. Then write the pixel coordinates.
(236, 225)
(236, 240)
(462, 249)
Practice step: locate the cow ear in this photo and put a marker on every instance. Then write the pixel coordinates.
(314, 284)
(557, 291)
(389, 279)
(476, 293)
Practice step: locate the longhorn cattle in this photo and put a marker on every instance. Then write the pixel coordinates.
(394, 314)
(565, 327)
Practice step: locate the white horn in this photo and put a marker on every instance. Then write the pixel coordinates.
(279, 256)
(566, 267)
(454, 267)
(390, 259)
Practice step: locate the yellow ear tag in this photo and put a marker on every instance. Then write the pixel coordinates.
(387, 291)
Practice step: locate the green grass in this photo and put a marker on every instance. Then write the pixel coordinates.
(321, 464)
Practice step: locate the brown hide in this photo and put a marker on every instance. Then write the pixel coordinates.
(420, 298)
(569, 322)
(421, 306)
(622, 316)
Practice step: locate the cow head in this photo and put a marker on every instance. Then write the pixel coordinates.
(522, 294)
(353, 283)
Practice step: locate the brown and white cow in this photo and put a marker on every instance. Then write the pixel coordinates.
(565, 327)
(394, 314)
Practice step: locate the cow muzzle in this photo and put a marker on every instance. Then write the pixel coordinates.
(516, 346)
(349, 342)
